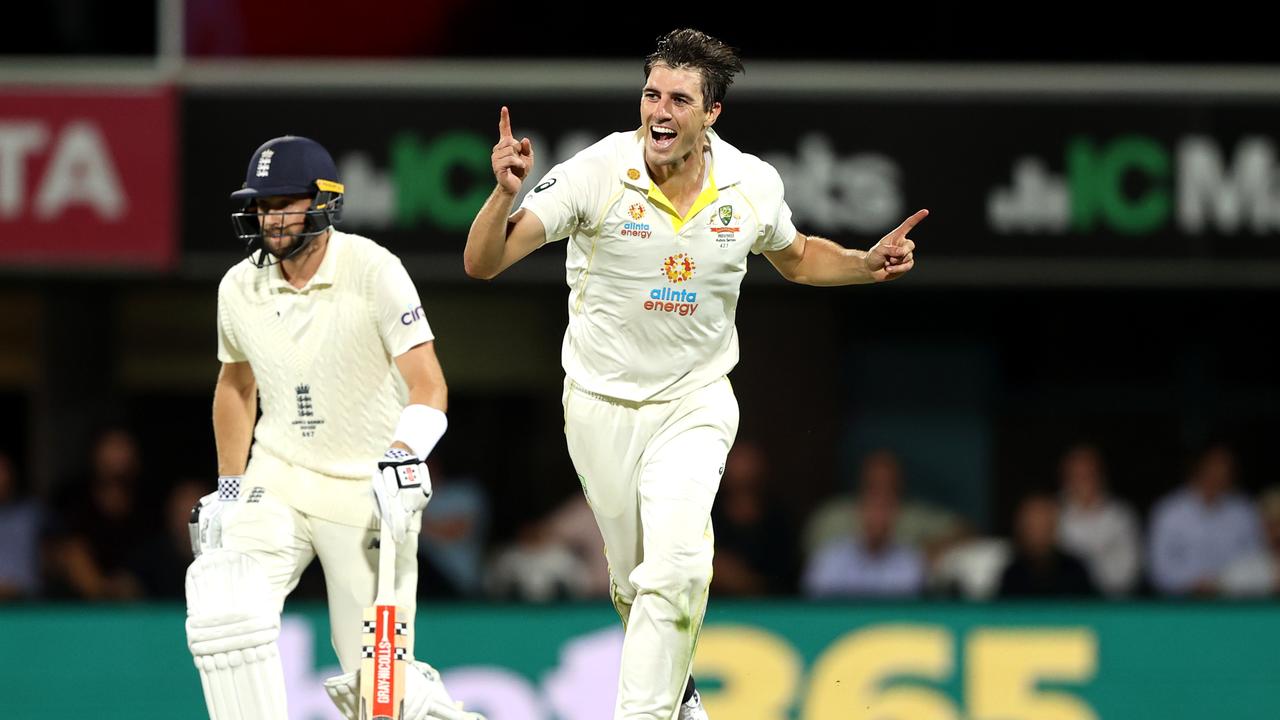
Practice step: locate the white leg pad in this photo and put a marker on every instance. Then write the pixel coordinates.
(232, 626)
(344, 691)
(424, 695)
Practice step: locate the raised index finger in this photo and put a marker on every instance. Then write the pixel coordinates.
(504, 124)
(910, 222)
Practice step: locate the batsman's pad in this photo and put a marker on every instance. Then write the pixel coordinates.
(232, 628)
(425, 697)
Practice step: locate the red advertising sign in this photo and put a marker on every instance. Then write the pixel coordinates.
(87, 179)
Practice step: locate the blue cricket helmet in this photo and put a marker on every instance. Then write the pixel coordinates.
(288, 166)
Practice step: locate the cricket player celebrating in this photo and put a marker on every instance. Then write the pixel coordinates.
(326, 330)
(659, 221)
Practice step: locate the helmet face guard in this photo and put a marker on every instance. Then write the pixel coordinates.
(324, 212)
(289, 166)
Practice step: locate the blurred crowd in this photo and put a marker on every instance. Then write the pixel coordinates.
(114, 533)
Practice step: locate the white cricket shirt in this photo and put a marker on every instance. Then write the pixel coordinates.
(323, 355)
(652, 296)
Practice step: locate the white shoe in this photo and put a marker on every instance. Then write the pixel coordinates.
(693, 710)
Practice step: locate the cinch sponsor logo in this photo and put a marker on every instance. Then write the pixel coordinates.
(412, 316)
(636, 230)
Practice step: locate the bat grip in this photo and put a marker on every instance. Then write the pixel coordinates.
(386, 566)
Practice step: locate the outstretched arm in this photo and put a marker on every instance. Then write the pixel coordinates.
(812, 260)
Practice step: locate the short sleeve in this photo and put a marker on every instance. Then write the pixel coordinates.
(402, 323)
(562, 198)
(228, 350)
(777, 231)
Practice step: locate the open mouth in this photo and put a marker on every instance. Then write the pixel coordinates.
(662, 137)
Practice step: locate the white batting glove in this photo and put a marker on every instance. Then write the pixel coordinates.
(401, 487)
(212, 512)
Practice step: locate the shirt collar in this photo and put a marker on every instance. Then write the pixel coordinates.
(324, 276)
(726, 162)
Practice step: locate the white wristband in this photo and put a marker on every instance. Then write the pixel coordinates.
(421, 427)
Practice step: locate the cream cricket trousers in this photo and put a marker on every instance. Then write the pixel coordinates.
(285, 540)
(650, 471)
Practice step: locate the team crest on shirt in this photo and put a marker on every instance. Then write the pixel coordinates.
(724, 225)
(307, 421)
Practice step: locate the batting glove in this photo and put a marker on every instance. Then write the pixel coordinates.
(213, 512)
(401, 487)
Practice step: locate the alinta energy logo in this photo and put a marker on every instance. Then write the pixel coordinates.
(679, 267)
(676, 269)
(634, 228)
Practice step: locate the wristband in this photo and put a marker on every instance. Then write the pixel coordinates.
(229, 487)
(421, 427)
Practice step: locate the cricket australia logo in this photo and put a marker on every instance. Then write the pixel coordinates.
(726, 233)
(264, 162)
(307, 421)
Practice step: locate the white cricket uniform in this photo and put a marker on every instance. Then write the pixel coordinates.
(649, 412)
(331, 395)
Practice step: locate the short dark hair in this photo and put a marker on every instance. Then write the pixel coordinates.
(689, 48)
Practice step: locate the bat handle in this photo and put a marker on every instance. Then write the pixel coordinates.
(386, 567)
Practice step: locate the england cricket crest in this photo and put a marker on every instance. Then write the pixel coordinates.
(307, 422)
(305, 408)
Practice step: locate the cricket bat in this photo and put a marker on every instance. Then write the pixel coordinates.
(383, 639)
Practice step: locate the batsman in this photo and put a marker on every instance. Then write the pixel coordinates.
(324, 330)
